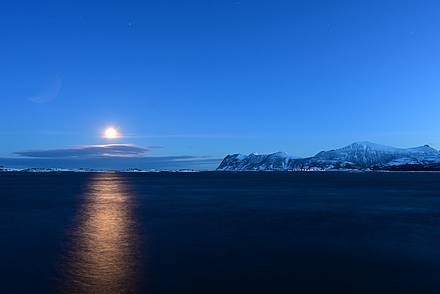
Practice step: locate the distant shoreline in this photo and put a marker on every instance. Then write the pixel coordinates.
(59, 171)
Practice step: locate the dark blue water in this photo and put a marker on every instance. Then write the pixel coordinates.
(220, 233)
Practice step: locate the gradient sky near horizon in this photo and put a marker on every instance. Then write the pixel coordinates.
(206, 78)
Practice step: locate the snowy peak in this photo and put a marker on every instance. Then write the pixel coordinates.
(424, 149)
(369, 146)
(359, 155)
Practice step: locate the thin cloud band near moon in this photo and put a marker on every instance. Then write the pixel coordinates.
(107, 150)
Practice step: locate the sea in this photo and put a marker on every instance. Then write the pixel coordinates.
(220, 232)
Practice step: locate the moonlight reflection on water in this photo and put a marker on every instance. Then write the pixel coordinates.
(104, 246)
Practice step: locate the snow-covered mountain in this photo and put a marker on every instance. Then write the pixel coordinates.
(274, 161)
(356, 156)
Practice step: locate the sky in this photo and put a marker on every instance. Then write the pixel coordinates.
(187, 82)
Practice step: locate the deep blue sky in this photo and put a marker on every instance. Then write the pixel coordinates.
(207, 78)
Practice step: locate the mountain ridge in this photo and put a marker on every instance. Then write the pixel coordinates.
(363, 155)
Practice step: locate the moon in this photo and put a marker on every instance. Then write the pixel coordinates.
(111, 133)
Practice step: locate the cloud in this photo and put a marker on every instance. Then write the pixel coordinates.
(109, 150)
(110, 156)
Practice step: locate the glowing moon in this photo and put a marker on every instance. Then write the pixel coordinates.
(111, 133)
